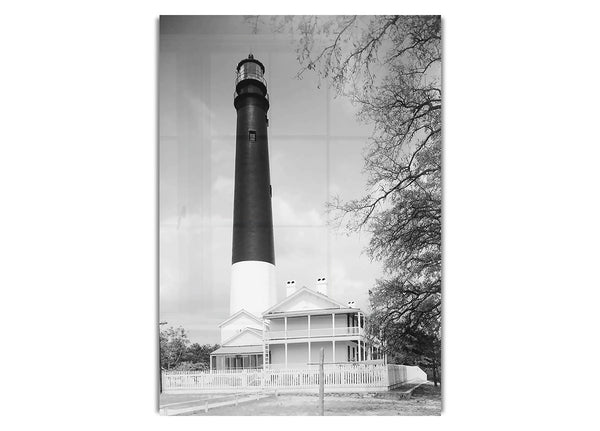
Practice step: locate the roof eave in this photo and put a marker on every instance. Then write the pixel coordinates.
(297, 293)
(319, 311)
(239, 313)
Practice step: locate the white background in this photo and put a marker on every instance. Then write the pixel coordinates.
(78, 219)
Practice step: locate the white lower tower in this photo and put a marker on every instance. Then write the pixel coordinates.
(252, 287)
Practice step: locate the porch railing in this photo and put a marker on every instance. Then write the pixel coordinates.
(315, 332)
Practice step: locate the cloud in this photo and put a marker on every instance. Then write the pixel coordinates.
(286, 214)
(352, 289)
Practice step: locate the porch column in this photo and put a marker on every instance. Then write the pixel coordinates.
(308, 335)
(285, 354)
(308, 351)
(364, 350)
(333, 354)
(285, 326)
(359, 351)
(333, 324)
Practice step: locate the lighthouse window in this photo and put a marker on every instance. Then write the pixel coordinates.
(252, 135)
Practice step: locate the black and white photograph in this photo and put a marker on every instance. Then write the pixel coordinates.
(300, 215)
(306, 215)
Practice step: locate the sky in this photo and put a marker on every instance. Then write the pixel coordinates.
(315, 146)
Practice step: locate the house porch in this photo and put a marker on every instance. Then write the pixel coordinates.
(300, 354)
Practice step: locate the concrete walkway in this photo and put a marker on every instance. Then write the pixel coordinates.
(172, 405)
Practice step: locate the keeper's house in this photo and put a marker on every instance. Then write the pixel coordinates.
(291, 333)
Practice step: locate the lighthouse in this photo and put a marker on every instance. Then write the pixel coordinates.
(253, 254)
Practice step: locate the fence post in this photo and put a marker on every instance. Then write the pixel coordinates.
(386, 376)
(321, 382)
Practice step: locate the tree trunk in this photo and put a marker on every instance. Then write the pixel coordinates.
(435, 370)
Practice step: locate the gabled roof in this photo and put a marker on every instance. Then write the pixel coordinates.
(237, 350)
(246, 330)
(240, 313)
(305, 291)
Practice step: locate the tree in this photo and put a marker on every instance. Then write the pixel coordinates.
(173, 345)
(199, 354)
(409, 317)
(390, 68)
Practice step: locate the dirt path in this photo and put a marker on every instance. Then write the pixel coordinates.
(425, 401)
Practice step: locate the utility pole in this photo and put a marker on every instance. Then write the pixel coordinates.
(159, 366)
(321, 382)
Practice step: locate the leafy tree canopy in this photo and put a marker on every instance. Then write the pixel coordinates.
(390, 68)
(177, 353)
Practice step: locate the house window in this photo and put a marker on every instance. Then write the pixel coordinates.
(252, 135)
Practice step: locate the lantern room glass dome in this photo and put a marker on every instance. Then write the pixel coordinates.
(250, 68)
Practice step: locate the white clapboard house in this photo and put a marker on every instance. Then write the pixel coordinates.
(291, 333)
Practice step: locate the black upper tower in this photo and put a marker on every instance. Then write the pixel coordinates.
(252, 214)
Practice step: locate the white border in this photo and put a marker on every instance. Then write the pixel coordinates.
(78, 238)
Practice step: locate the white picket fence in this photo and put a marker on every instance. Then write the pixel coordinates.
(338, 378)
(399, 374)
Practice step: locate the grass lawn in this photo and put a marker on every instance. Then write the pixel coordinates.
(426, 400)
